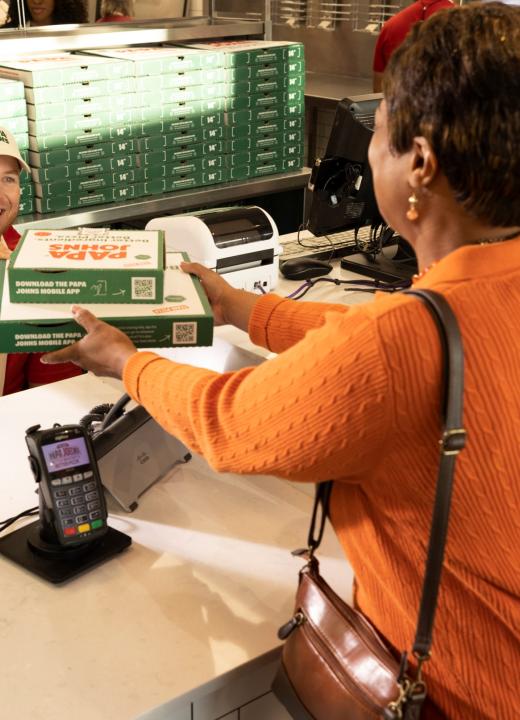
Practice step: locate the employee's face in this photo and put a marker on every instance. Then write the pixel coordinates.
(9, 191)
(41, 11)
(389, 174)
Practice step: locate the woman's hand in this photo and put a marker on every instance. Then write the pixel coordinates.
(229, 305)
(104, 350)
(215, 287)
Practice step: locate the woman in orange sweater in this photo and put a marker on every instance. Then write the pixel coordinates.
(353, 394)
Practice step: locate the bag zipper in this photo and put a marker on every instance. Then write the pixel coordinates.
(344, 679)
(368, 633)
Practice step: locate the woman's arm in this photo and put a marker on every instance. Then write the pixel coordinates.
(272, 322)
(304, 414)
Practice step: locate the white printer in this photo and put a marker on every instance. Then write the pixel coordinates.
(241, 242)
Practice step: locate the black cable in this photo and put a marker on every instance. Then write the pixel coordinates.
(26, 513)
(370, 286)
(101, 409)
(315, 248)
(115, 411)
(96, 415)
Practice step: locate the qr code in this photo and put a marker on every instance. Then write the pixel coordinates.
(143, 288)
(184, 333)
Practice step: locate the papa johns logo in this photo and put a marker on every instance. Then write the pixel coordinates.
(94, 252)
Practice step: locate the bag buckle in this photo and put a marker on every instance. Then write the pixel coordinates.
(453, 441)
(394, 710)
(412, 693)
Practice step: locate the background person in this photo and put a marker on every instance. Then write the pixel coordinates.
(394, 31)
(21, 370)
(116, 11)
(48, 12)
(354, 392)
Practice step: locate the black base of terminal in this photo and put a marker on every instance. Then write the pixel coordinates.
(400, 268)
(56, 563)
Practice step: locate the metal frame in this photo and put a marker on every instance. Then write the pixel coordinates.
(85, 37)
(170, 203)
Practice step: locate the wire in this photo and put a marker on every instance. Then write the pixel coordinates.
(96, 415)
(325, 246)
(115, 411)
(306, 284)
(370, 286)
(26, 513)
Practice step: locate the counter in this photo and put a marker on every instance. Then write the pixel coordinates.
(186, 616)
(202, 590)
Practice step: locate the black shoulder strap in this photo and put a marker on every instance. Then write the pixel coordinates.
(451, 443)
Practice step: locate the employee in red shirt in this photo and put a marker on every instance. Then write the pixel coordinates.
(396, 29)
(116, 11)
(22, 370)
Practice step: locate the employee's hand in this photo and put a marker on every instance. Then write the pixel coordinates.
(104, 350)
(5, 253)
(229, 305)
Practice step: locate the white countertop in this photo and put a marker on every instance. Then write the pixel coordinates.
(202, 590)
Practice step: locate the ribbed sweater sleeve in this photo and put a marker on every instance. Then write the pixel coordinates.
(240, 420)
(278, 323)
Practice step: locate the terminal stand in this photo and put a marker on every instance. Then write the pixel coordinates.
(35, 547)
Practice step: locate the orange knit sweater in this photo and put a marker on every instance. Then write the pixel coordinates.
(354, 395)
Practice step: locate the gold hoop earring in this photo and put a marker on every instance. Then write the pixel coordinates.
(412, 213)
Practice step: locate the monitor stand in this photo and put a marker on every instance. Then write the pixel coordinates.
(393, 264)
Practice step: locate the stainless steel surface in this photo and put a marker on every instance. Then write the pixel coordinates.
(268, 21)
(321, 86)
(322, 15)
(171, 203)
(82, 37)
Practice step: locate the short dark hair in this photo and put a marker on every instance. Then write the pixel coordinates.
(456, 81)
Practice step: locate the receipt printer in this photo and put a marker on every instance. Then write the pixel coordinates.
(240, 242)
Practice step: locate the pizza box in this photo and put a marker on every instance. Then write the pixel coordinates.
(14, 89)
(252, 52)
(48, 95)
(91, 265)
(62, 68)
(83, 169)
(156, 60)
(82, 153)
(85, 198)
(183, 318)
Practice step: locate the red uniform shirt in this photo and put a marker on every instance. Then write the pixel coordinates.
(24, 370)
(397, 27)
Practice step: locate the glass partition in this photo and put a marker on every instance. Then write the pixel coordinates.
(54, 14)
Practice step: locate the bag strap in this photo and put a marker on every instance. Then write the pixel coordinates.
(451, 443)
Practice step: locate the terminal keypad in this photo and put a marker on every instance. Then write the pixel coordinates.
(77, 499)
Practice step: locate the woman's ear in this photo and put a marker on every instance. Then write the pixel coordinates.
(423, 166)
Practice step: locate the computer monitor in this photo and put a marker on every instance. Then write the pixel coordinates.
(343, 195)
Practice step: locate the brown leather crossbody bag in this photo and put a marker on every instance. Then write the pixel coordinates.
(335, 665)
